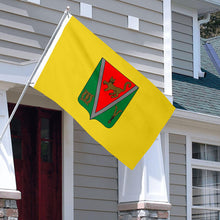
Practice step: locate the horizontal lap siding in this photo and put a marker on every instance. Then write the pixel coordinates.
(182, 33)
(177, 157)
(26, 29)
(95, 179)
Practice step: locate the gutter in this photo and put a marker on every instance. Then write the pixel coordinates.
(195, 116)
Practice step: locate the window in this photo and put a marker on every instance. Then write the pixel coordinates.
(205, 181)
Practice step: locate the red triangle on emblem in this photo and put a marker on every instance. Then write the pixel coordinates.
(113, 86)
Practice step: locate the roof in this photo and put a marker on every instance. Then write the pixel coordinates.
(200, 95)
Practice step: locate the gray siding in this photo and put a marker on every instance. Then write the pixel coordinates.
(177, 157)
(95, 179)
(26, 29)
(182, 33)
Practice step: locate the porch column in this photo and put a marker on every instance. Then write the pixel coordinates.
(8, 192)
(143, 191)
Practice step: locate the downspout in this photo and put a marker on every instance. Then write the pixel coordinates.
(205, 20)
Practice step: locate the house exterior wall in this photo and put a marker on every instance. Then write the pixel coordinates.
(177, 164)
(182, 130)
(182, 33)
(95, 175)
(26, 29)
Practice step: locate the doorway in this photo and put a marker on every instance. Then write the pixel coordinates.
(36, 143)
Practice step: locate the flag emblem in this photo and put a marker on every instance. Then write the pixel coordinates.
(107, 94)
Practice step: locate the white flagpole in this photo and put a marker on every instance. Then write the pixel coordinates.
(66, 13)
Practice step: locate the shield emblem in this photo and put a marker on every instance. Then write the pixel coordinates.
(107, 94)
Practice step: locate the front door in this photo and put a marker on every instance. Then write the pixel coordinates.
(36, 142)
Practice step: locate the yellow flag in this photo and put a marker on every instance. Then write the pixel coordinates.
(119, 107)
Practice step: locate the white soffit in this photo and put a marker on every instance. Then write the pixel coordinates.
(203, 6)
(15, 72)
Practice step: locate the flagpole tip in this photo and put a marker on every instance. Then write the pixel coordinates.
(67, 11)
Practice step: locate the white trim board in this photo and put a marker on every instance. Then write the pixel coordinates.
(67, 166)
(165, 149)
(196, 116)
(16, 73)
(196, 47)
(167, 24)
(189, 176)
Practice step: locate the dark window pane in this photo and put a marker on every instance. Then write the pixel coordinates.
(198, 151)
(199, 177)
(16, 127)
(212, 152)
(17, 149)
(46, 151)
(45, 128)
(206, 152)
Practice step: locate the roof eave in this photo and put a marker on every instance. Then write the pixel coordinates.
(196, 116)
(202, 6)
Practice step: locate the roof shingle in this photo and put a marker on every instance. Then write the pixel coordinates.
(199, 95)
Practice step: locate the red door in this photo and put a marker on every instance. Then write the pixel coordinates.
(36, 142)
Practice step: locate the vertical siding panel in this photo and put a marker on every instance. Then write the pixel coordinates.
(177, 157)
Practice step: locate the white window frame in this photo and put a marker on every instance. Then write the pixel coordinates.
(198, 164)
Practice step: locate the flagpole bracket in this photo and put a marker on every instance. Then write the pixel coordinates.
(68, 10)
